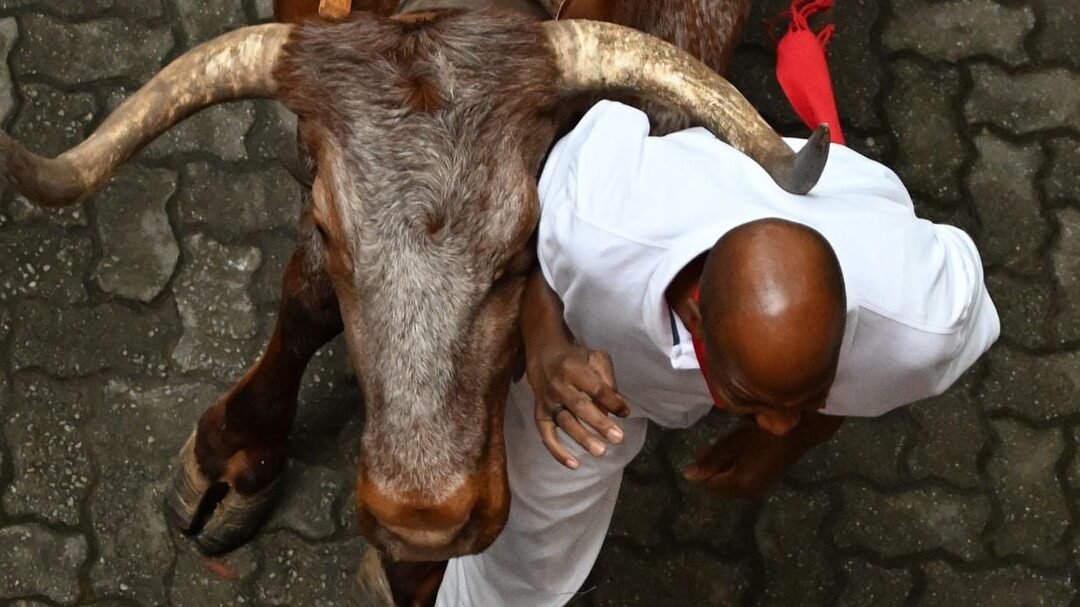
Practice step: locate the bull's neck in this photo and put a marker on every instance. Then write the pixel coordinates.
(544, 9)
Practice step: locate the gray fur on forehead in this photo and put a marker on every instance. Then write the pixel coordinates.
(437, 123)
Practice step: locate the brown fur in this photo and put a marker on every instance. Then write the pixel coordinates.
(425, 134)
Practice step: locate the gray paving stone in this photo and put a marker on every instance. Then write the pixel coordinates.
(1040, 388)
(38, 561)
(701, 518)
(219, 318)
(1065, 260)
(139, 252)
(910, 522)
(43, 263)
(857, 71)
(56, 49)
(21, 210)
(1056, 39)
(273, 137)
(85, 9)
(308, 499)
(238, 201)
(643, 511)
(697, 516)
(960, 29)
(218, 130)
(276, 252)
(868, 584)
(84, 341)
(295, 572)
(1014, 229)
(1005, 587)
(44, 428)
(1024, 479)
(632, 579)
(650, 463)
(867, 448)
(1024, 307)
(329, 422)
(264, 9)
(795, 559)
(206, 19)
(1062, 180)
(930, 148)
(49, 121)
(949, 438)
(134, 435)
(1024, 102)
(9, 34)
(202, 581)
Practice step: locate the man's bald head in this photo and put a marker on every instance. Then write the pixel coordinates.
(773, 308)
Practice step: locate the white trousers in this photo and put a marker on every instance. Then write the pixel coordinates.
(557, 523)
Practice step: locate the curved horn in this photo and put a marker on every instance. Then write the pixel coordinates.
(237, 65)
(595, 56)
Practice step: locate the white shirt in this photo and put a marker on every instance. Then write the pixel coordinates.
(623, 213)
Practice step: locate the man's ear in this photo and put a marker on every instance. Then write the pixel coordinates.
(693, 318)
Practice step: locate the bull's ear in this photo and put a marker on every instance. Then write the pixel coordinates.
(611, 59)
(237, 65)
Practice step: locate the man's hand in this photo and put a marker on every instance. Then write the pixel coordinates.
(748, 461)
(577, 385)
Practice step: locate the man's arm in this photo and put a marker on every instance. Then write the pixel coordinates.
(574, 386)
(749, 460)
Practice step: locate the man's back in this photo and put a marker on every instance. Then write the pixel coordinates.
(624, 213)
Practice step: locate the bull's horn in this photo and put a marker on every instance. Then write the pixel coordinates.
(595, 56)
(237, 65)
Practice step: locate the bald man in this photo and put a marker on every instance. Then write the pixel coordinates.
(675, 266)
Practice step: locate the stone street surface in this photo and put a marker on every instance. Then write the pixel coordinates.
(122, 319)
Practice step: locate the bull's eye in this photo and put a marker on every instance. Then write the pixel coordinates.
(322, 231)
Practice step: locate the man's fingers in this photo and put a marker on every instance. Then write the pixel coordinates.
(580, 434)
(716, 460)
(594, 417)
(612, 401)
(607, 392)
(551, 440)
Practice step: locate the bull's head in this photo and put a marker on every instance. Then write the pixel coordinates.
(424, 139)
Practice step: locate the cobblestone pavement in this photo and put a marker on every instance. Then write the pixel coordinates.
(122, 319)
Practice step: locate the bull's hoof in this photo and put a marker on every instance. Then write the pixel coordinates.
(213, 513)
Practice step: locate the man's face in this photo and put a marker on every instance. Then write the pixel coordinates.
(775, 411)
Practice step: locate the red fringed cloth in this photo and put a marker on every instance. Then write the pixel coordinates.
(802, 70)
(804, 76)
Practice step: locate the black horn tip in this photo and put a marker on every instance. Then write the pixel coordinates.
(801, 173)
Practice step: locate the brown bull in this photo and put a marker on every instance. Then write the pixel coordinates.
(424, 134)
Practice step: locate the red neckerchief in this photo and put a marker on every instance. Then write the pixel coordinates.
(699, 351)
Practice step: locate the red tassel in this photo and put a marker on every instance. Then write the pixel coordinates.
(802, 69)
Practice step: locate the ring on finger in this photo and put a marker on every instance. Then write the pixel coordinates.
(555, 413)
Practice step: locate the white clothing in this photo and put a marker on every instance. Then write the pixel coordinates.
(622, 214)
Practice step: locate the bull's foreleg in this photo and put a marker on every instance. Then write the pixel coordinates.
(229, 467)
